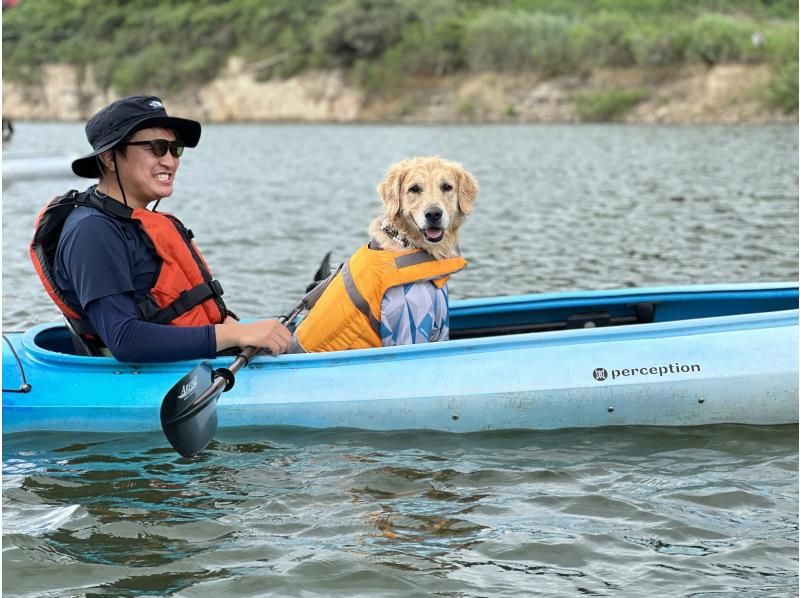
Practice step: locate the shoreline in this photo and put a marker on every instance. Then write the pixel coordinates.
(687, 95)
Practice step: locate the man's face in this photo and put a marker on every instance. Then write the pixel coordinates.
(146, 177)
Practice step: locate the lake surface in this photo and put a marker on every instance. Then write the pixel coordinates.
(709, 511)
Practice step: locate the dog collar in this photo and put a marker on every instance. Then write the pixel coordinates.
(393, 233)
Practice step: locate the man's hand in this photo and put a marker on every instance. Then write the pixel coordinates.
(270, 335)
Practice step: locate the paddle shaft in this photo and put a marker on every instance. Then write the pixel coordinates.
(225, 376)
(223, 381)
(190, 427)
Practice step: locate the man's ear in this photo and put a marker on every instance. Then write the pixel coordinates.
(467, 190)
(107, 160)
(391, 189)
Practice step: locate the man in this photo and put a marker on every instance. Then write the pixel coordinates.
(128, 279)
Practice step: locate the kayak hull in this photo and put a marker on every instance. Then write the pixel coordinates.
(34, 166)
(732, 368)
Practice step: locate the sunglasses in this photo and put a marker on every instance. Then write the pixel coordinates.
(160, 146)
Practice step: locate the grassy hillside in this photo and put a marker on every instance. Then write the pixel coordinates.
(164, 46)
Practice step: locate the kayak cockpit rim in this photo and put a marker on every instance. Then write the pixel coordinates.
(489, 324)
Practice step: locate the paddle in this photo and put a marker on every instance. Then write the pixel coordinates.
(189, 409)
(323, 272)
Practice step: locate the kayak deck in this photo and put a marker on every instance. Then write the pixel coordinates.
(675, 356)
(565, 311)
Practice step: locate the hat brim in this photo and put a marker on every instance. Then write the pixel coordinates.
(186, 130)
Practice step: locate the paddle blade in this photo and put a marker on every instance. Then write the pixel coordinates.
(189, 410)
(322, 272)
(324, 268)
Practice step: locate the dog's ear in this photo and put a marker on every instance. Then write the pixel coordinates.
(391, 187)
(467, 190)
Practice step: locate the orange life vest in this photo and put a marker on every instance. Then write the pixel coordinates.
(184, 293)
(348, 314)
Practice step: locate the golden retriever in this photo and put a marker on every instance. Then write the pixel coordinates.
(425, 202)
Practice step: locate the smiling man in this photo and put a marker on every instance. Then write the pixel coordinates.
(129, 280)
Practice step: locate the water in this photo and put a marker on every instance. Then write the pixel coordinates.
(289, 512)
(560, 207)
(295, 512)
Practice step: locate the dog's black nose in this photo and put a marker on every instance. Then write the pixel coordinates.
(433, 215)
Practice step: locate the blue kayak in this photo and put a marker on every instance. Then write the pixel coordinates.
(670, 356)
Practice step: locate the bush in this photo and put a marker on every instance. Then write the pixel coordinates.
(384, 77)
(607, 105)
(513, 41)
(781, 45)
(660, 43)
(714, 38)
(128, 42)
(122, 39)
(278, 33)
(354, 29)
(782, 91)
(430, 48)
(606, 40)
(780, 42)
(189, 39)
(649, 9)
(33, 35)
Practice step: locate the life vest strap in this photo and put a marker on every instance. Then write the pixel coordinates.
(358, 299)
(151, 312)
(412, 259)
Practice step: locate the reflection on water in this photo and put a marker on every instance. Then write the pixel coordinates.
(289, 510)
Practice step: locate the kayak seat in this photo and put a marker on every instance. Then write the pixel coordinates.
(561, 318)
(643, 313)
(80, 345)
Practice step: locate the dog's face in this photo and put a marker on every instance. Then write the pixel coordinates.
(427, 200)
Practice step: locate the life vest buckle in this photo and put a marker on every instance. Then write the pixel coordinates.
(216, 286)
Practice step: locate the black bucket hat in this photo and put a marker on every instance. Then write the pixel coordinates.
(124, 117)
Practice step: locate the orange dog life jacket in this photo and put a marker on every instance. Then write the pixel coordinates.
(184, 293)
(348, 314)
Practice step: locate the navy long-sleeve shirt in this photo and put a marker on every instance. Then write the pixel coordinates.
(104, 267)
(116, 321)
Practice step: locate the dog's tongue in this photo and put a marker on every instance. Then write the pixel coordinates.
(434, 234)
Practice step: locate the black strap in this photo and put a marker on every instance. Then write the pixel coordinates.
(150, 311)
(81, 327)
(84, 339)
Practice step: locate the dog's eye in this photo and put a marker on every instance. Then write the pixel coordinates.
(415, 189)
(447, 187)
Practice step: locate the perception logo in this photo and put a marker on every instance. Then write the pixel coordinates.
(601, 374)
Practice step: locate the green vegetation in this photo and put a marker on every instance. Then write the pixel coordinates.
(607, 105)
(167, 45)
(499, 40)
(782, 90)
(783, 52)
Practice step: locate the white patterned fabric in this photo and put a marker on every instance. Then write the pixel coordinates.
(414, 313)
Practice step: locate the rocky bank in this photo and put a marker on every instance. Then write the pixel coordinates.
(729, 93)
